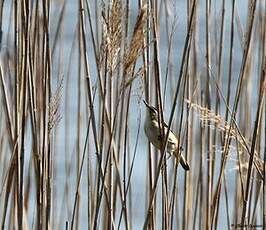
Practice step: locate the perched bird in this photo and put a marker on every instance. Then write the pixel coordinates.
(152, 131)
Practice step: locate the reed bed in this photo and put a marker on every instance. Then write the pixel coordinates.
(73, 74)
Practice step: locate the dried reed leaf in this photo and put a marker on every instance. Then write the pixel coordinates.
(244, 167)
(240, 30)
(140, 72)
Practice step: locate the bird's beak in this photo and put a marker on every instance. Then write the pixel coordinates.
(146, 103)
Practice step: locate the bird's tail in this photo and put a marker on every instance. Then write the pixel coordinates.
(184, 163)
(182, 160)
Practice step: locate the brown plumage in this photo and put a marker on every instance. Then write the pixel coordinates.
(153, 133)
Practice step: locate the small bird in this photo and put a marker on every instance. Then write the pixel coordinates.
(152, 131)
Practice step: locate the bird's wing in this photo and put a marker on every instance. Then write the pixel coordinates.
(165, 125)
(165, 130)
(172, 142)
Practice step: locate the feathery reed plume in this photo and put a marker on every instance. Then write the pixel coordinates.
(54, 111)
(136, 45)
(112, 33)
(208, 115)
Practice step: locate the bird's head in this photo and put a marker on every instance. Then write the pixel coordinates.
(151, 111)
